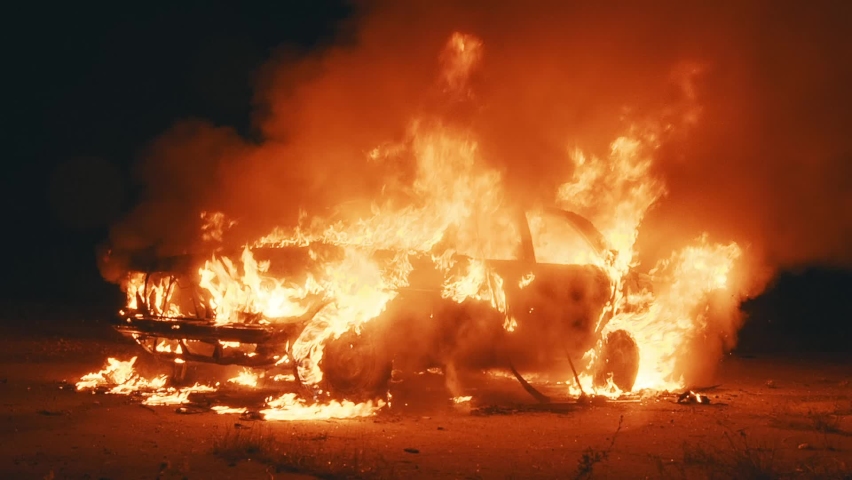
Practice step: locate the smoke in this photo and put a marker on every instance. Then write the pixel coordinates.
(758, 93)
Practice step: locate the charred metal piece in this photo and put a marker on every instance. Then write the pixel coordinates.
(542, 398)
(574, 371)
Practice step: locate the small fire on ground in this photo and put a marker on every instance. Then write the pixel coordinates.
(120, 377)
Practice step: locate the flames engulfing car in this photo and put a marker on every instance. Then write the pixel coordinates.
(537, 315)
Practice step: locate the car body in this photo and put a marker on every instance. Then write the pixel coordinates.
(546, 312)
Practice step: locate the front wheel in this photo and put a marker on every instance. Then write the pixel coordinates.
(619, 358)
(355, 367)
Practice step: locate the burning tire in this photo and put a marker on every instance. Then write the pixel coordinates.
(620, 359)
(355, 367)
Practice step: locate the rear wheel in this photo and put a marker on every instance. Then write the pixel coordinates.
(620, 360)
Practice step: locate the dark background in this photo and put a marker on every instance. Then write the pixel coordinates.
(87, 87)
(90, 87)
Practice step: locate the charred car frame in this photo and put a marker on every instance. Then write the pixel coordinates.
(550, 311)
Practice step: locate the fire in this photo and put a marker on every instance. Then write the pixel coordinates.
(251, 291)
(246, 378)
(290, 407)
(672, 315)
(214, 226)
(119, 377)
(133, 287)
(457, 214)
(176, 396)
(461, 55)
(678, 311)
(154, 292)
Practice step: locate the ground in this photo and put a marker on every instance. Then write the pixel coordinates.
(770, 416)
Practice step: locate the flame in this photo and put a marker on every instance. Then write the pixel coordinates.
(251, 291)
(360, 292)
(452, 183)
(290, 407)
(678, 312)
(461, 56)
(614, 194)
(456, 212)
(214, 226)
(246, 378)
(154, 292)
(176, 396)
(224, 409)
(120, 378)
(133, 285)
(169, 346)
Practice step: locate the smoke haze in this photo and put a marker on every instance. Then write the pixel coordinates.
(758, 94)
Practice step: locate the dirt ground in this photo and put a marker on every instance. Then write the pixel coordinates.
(769, 417)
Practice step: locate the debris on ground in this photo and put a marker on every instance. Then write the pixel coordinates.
(585, 399)
(191, 409)
(488, 410)
(690, 397)
(52, 413)
(542, 398)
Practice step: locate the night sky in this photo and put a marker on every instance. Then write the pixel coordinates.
(92, 85)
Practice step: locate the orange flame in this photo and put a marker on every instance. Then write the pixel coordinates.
(677, 312)
(246, 378)
(290, 407)
(251, 291)
(456, 206)
(120, 377)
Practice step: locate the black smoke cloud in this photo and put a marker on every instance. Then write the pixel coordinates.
(765, 163)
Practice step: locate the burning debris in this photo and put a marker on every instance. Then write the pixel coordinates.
(120, 377)
(691, 397)
(446, 269)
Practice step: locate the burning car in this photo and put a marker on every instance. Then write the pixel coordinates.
(454, 265)
(440, 308)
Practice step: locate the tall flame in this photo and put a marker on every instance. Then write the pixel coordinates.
(678, 310)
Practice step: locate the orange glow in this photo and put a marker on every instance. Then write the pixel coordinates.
(458, 213)
(214, 226)
(176, 396)
(246, 378)
(290, 407)
(460, 57)
(251, 291)
(677, 311)
(119, 377)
